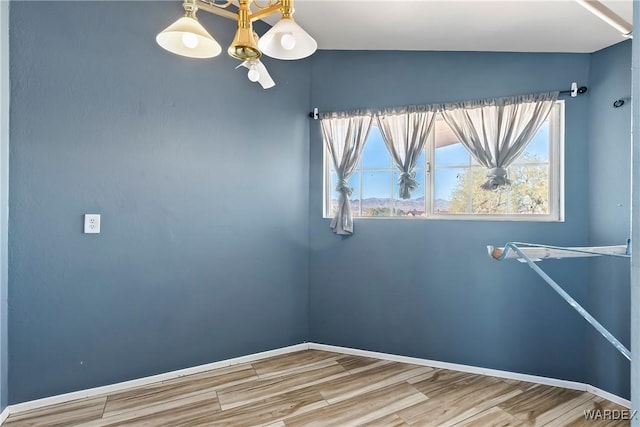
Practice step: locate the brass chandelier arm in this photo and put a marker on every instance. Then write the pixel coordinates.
(217, 10)
(263, 13)
(269, 3)
(273, 7)
(221, 6)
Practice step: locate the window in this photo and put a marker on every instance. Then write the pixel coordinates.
(450, 180)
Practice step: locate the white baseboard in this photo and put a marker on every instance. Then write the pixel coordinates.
(609, 396)
(67, 397)
(572, 385)
(91, 392)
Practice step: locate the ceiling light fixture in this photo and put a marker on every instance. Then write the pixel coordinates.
(187, 37)
(608, 16)
(258, 73)
(285, 40)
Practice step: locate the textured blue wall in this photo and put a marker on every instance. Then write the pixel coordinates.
(4, 196)
(200, 176)
(427, 288)
(209, 207)
(609, 206)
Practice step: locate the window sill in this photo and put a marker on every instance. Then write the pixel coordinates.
(463, 217)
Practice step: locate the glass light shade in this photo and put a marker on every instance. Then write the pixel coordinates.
(187, 37)
(271, 42)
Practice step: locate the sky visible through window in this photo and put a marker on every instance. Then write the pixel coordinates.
(375, 155)
(456, 154)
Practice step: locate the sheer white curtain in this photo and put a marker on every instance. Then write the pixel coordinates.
(344, 136)
(496, 131)
(405, 132)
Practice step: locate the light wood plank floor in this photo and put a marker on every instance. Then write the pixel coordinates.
(316, 388)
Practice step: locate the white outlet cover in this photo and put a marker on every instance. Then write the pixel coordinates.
(92, 223)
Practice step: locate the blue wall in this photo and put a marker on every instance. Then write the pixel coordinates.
(427, 288)
(609, 206)
(201, 178)
(213, 241)
(4, 196)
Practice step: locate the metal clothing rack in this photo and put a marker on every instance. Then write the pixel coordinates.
(530, 253)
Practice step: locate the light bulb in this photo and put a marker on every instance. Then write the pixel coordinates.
(287, 41)
(253, 74)
(190, 40)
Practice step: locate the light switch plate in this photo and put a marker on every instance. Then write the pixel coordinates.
(92, 223)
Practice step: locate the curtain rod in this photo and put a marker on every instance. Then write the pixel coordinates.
(574, 91)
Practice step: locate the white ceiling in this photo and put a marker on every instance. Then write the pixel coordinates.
(469, 25)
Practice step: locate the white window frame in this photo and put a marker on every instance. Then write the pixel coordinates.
(556, 182)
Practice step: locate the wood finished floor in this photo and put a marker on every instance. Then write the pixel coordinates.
(317, 388)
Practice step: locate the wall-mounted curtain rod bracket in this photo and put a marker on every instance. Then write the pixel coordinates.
(575, 90)
(620, 102)
(314, 114)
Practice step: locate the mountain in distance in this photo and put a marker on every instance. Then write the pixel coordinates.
(440, 205)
